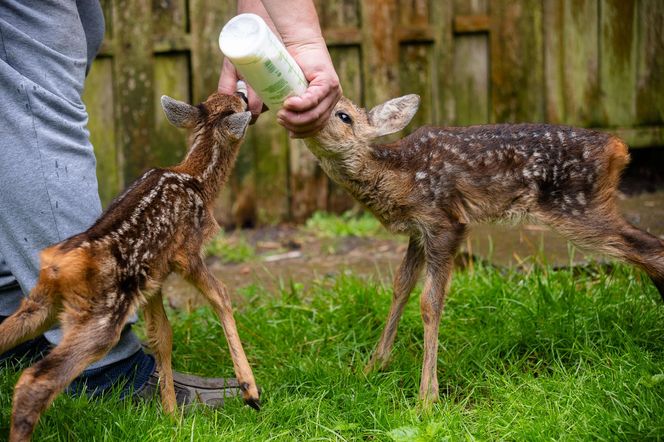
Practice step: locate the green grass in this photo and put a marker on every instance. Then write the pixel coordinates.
(232, 252)
(538, 356)
(330, 225)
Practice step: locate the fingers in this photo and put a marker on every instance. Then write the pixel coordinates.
(228, 78)
(303, 116)
(256, 106)
(227, 85)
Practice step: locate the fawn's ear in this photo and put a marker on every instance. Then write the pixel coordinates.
(237, 124)
(180, 114)
(393, 115)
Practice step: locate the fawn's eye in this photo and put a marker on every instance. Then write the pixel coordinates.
(344, 117)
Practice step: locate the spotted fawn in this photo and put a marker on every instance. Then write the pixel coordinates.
(94, 281)
(434, 183)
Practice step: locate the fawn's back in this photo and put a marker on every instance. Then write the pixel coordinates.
(495, 172)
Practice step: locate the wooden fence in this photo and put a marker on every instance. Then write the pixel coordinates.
(592, 63)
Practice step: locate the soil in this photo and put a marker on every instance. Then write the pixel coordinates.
(287, 253)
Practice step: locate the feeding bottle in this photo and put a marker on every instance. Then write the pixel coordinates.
(261, 58)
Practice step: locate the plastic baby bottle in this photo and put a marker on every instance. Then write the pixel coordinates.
(261, 59)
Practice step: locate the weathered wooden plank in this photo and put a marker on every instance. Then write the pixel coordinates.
(414, 13)
(639, 137)
(107, 10)
(416, 77)
(553, 23)
(470, 69)
(338, 13)
(415, 34)
(442, 87)
(171, 77)
(342, 36)
(650, 71)
(169, 17)
(618, 48)
(574, 63)
(98, 99)
(581, 58)
(380, 56)
(307, 182)
(470, 24)
(207, 17)
(134, 84)
(171, 43)
(271, 168)
(516, 61)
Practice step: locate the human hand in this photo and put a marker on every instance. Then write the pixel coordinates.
(304, 115)
(227, 85)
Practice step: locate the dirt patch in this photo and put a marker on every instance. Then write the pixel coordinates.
(289, 253)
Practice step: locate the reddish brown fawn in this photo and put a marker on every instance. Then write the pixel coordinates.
(434, 183)
(93, 281)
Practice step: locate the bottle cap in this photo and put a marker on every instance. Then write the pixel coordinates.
(241, 37)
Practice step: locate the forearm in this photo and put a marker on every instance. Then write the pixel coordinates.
(256, 7)
(299, 26)
(296, 23)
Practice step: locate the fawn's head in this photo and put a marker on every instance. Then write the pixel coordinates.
(351, 129)
(225, 115)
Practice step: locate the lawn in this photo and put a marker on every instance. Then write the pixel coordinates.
(564, 355)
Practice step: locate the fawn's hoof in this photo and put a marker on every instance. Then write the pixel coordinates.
(251, 398)
(254, 403)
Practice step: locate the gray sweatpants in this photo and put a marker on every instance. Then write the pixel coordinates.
(48, 185)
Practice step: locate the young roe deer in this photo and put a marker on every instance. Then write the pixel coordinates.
(435, 182)
(93, 281)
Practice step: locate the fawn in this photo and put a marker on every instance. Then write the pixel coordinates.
(95, 280)
(433, 183)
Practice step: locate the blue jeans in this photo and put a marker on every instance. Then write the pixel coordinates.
(48, 183)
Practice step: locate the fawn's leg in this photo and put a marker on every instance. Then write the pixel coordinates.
(404, 282)
(217, 296)
(439, 254)
(612, 235)
(82, 344)
(160, 339)
(35, 315)
(646, 251)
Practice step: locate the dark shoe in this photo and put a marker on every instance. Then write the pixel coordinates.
(192, 390)
(131, 374)
(25, 353)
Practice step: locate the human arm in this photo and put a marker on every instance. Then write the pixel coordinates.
(299, 29)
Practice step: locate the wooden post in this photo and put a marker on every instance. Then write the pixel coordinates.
(650, 59)
(442, 88)
(516, 61)
(380, 50)
(98, 99)
(134, 84)
(618, 48)
(134, 75)
(207, 17)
